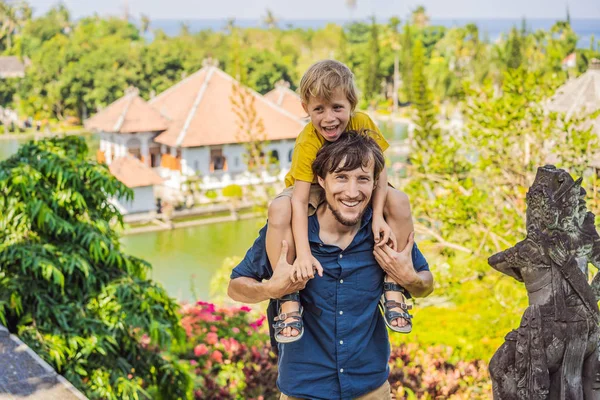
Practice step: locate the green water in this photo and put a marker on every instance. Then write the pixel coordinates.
(188, 257)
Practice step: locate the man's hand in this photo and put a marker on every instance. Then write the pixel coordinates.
(383, 234)
(281, 283)
(304, 267)
(398, 265)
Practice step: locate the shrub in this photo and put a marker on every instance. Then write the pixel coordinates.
(229, 351)
(234, 191)
(66, 287)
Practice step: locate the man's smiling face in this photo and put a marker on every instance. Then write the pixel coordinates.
(330, 117)
(348, 193)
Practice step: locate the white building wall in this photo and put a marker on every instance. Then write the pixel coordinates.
(197, 159)
(234, 153)
(143, 201)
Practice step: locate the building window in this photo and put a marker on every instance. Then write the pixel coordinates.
(274, 157)
(218, 162)
(290, 155)
(237, 162)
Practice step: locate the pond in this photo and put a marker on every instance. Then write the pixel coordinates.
(184, 260)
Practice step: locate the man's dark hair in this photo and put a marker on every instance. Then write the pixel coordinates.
(353, 149)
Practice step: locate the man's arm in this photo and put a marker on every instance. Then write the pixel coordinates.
(248, 290)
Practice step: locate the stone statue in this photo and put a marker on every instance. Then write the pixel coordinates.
(554, 353)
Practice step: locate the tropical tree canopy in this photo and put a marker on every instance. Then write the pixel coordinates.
(66, 286)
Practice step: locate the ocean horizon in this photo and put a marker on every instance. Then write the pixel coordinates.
(490, 28)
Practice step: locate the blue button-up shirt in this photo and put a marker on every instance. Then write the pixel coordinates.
(345, 349)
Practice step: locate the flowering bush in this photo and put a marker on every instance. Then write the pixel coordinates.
(229, 351)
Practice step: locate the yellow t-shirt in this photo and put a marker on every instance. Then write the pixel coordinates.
(310, 141)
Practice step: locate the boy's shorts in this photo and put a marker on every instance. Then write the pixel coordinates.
(315, 198)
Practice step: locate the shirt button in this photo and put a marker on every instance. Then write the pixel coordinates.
(340, 256)
(341, 281)
(341, 370)
(341, 342)
(341, 313)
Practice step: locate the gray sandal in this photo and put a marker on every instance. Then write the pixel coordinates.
(297, 323)
(386, 306)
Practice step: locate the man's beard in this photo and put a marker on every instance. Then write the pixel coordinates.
(339, 218)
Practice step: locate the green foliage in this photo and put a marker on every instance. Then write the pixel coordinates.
(81, 66)
(234, 191)
(211, 194)
(372, 75)
(426, 119)
(513, 49)
(67, 288)
(471, 189)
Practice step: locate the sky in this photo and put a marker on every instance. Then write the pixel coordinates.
(327, 9)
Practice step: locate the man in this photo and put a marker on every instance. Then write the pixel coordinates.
(345, 349)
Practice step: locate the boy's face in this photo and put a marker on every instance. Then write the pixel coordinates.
(330, 118)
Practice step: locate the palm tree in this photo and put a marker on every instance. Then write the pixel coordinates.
(144, 23)
(392, 40)
(12, 17)
(419, 17)
(270, 20)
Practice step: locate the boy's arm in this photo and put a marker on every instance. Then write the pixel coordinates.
(300, 198)
(380, 194)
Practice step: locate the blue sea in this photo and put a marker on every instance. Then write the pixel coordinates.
(489, 28)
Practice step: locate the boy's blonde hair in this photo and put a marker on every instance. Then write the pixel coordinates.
(323, 77)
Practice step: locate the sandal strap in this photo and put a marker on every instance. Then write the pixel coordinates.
(290, 297)
(394, 304)
(391, 315)
(291, 314)
(394, 287)
(279, 326)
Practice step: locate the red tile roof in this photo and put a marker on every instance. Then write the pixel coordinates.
(202, 113)
(133, 173)
(129, 114)
(286, 98)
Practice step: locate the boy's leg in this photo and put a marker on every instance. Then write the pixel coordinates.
(279, 227)
(398, 216)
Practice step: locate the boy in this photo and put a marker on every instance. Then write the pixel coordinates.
(328, 95)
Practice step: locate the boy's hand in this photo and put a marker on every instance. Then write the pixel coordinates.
(383, 233)
(304, 268)
(280, 284)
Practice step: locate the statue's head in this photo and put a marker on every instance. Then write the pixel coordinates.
(555, 201)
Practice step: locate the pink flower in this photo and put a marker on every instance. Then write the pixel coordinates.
(258, 323)
(145, 340)
(217, 356)
(235, 330)
(193, 362)
(211, 338)
(231, 345)
(245, 308)
(200, 350)
(213, 328)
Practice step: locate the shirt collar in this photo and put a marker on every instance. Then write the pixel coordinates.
(314, 228)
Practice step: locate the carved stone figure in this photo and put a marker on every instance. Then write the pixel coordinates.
(554, 353)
